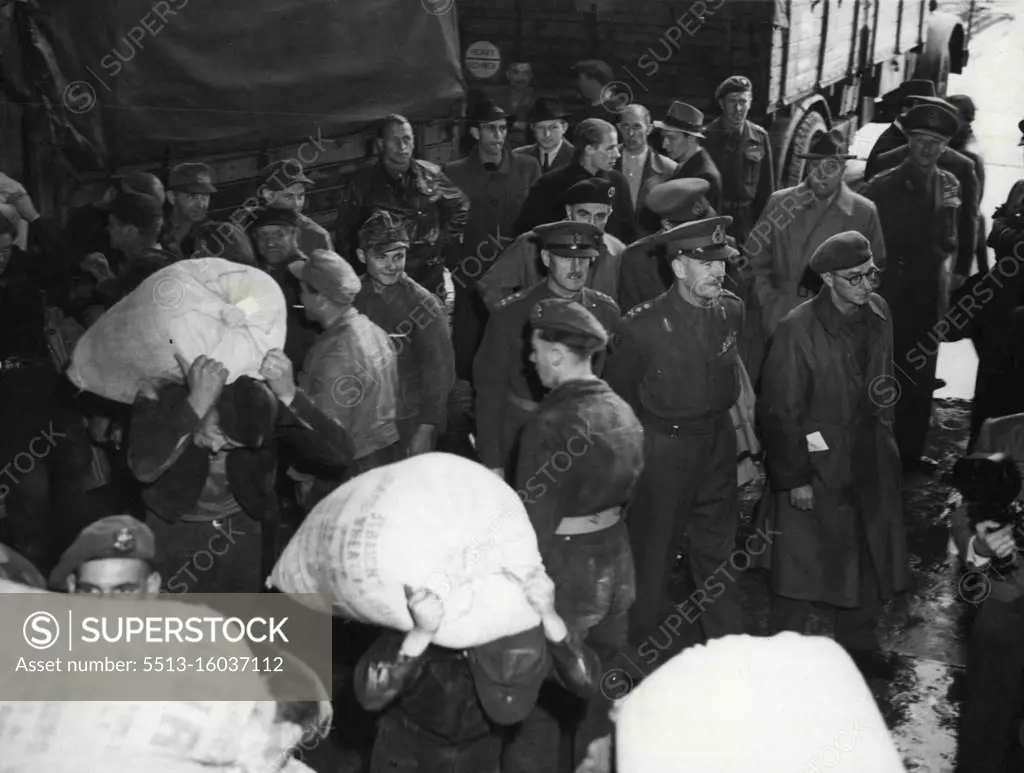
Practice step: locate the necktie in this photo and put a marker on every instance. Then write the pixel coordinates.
(546, 163)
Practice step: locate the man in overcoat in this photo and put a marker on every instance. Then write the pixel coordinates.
(826, 415)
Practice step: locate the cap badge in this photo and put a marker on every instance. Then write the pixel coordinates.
(718, 237)
(611, 192)
(932, 119)
(124, 542)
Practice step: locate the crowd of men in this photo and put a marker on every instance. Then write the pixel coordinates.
(608, 296)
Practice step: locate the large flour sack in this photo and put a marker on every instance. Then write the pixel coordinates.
(437, 521)
(227, 311)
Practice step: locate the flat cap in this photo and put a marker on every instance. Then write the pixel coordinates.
(594, 190)
(138, 209)
(939, 120)
(268, 216)
(595, 68)
(734, 84)
(844, 250)
(383, 229)
(703, 240)
(681, 201)
(116, 536)
(569, 238)
(568, 316)
(329, 274)
(191, 178)
(278, 175)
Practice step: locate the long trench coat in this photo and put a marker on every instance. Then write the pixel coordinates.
(812, 382)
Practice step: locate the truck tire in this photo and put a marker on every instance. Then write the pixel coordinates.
(811, 126)
(935, 69)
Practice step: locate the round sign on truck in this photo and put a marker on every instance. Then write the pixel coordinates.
(483, 60)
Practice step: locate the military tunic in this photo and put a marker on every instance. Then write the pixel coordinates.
(748, 172)
(677, 365)
(507, 386)
(918, 212)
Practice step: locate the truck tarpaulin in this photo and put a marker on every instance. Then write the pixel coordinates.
(124, 80)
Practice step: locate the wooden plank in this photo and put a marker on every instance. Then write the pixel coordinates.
(841, 39)
(911, 31)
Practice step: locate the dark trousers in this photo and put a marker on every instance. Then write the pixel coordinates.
(431, 276)
(402, 747)
(687, 494)
(211, 557)
(595, 586)
(44, 486)
(915, 355)
(854, 628)
(994, 701)
(469, 319)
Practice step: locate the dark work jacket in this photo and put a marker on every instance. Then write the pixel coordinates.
(132, 272)
(589, 421)
(546, 201)
(437, 690)
(892, 138)
(702, 166)
(173, 469)
(301, 333)
(825, 375)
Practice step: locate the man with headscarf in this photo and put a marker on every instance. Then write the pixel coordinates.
(350, 372)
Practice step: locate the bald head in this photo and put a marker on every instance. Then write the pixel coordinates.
(635, 126)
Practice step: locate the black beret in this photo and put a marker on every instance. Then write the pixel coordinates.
(594, 190)
(734, 84)
(844, 250)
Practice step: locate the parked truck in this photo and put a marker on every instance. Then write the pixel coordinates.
(104, 86)
(815, 64)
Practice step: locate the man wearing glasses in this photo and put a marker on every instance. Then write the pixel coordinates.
(825, 410)
(796, 221)
(918, 204)
(642, 167)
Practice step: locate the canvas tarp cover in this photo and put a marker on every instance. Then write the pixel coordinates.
(202, 78)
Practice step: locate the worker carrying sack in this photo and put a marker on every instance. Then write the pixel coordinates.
(232, 313)
(434, 521)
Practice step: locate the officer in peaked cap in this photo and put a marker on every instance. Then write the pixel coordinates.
(644, 275)
(909, 94)
(928, 221)
(112, 556)
(937, 122)
(676, 362)
(508, 389)
(519, 266)
(285, 185)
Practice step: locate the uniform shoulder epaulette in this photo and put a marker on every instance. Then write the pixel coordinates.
(597, 295)
(509, 300)
(880, 176)
(639, 309)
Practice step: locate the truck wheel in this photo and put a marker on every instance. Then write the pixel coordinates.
(936, 69)
(811, 126)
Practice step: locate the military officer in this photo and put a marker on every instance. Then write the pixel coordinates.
(676, 362)
(918, 206)
(894, 136)
(508, 389)
(743, 154)
(642, 275)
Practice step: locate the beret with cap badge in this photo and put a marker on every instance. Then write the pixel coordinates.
(848, 249)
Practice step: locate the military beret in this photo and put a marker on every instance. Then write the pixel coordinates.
(703, 240)
(734, 84)
(268, 216)
(844, 250)
(568, 316)
(593, 190)
(936, 119)
(383, 229)
(116, 536)
(569, 238)
(681, 201)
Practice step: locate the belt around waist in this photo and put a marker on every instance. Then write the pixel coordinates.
(522, 403)
(585, 524)
(676, 427)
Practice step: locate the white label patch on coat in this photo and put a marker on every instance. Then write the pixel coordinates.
(816, 443)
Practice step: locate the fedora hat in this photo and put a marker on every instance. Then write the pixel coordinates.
(829, 145)
(545, 109)
(486, 111)
(682, 117)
